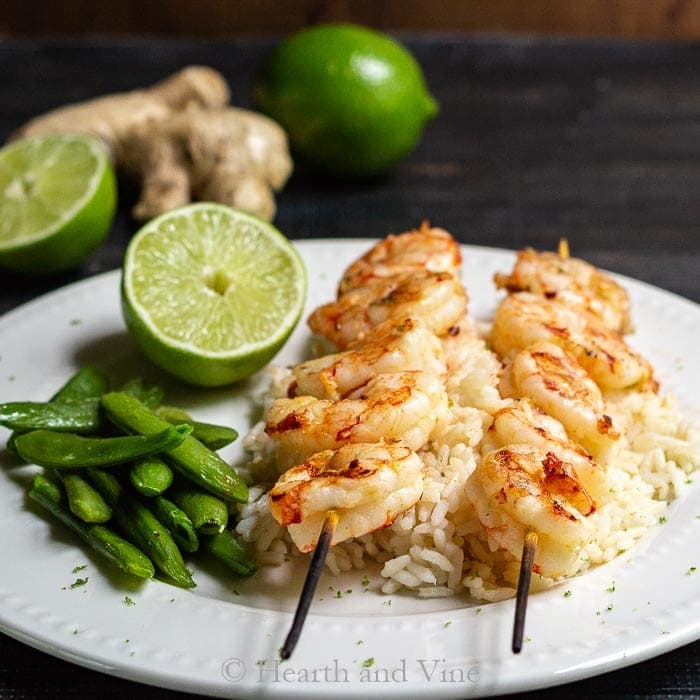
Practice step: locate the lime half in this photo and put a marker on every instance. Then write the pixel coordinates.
(211, 293)
(57, 202)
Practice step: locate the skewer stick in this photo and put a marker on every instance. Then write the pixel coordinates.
(528, 558)
(563, 249)
(307, 592)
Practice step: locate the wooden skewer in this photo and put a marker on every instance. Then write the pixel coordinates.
(563, 249)
(528, 558)
(307, 592)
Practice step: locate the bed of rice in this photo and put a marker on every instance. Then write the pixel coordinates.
(438, 548)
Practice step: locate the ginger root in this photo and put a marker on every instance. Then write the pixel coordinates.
(181, 141)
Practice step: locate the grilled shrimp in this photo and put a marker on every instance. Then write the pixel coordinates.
(524, 424)
(394, 346)
(403, 407)
(522, 488)
(576, 283)
(431, 249)
(436, 298)
(551, 378)
(524, 319)
(367, 485)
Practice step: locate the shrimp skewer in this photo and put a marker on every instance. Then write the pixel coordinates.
(353, 420)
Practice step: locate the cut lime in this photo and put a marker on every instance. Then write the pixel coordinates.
(57, 200)
(211, 293)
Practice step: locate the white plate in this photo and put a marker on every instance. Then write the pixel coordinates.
(222, 638)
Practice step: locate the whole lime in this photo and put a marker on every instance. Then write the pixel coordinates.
(353, 101)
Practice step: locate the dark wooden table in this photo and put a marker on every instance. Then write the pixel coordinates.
(536, 139)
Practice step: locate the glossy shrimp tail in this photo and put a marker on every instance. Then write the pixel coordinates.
(312, 577)
(529, 549)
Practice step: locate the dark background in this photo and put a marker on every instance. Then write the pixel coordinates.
(538, 137)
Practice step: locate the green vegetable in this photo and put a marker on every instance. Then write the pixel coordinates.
(71, 416)
(225, 547)
(150, 476)
(142, 526)
(110, 545)
(176, 520)
(149, 396)
(67, 450)
(191, 458)
(208, 514)
(87, 383)
(84, 501)
(213, 436)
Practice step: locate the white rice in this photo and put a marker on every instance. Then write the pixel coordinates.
(438, 548)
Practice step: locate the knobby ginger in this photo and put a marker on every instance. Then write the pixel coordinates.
(182, 142)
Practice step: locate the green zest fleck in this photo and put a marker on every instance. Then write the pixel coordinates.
(447, 624)
(79, 582)
(611, 588)
(368, 663)
(76, 569)
(359, 641)
(128, 601)
(692, 569)
(609, 608)
(338, 594)
(388, 602)
(365, 579)
(662, 519)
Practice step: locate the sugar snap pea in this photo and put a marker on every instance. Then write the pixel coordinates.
(73, 408)
(213, 436)
(150, 476)
(71, 416)
(69, 451)
(84, 501)
(148, 396)
(191, 458)
(142, 527)
(176, 520)
(225, 547)
(103, 540)
(208, 514)
(87, 383)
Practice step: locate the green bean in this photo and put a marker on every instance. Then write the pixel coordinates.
(84, 501)
(150, 476)
(70, 416)
(176, 520)
(225, 547)
(191, 458)
(208, 513)
(213, 436)
(142, 527)
(148, 396)
(70, 451)
(103, 540)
